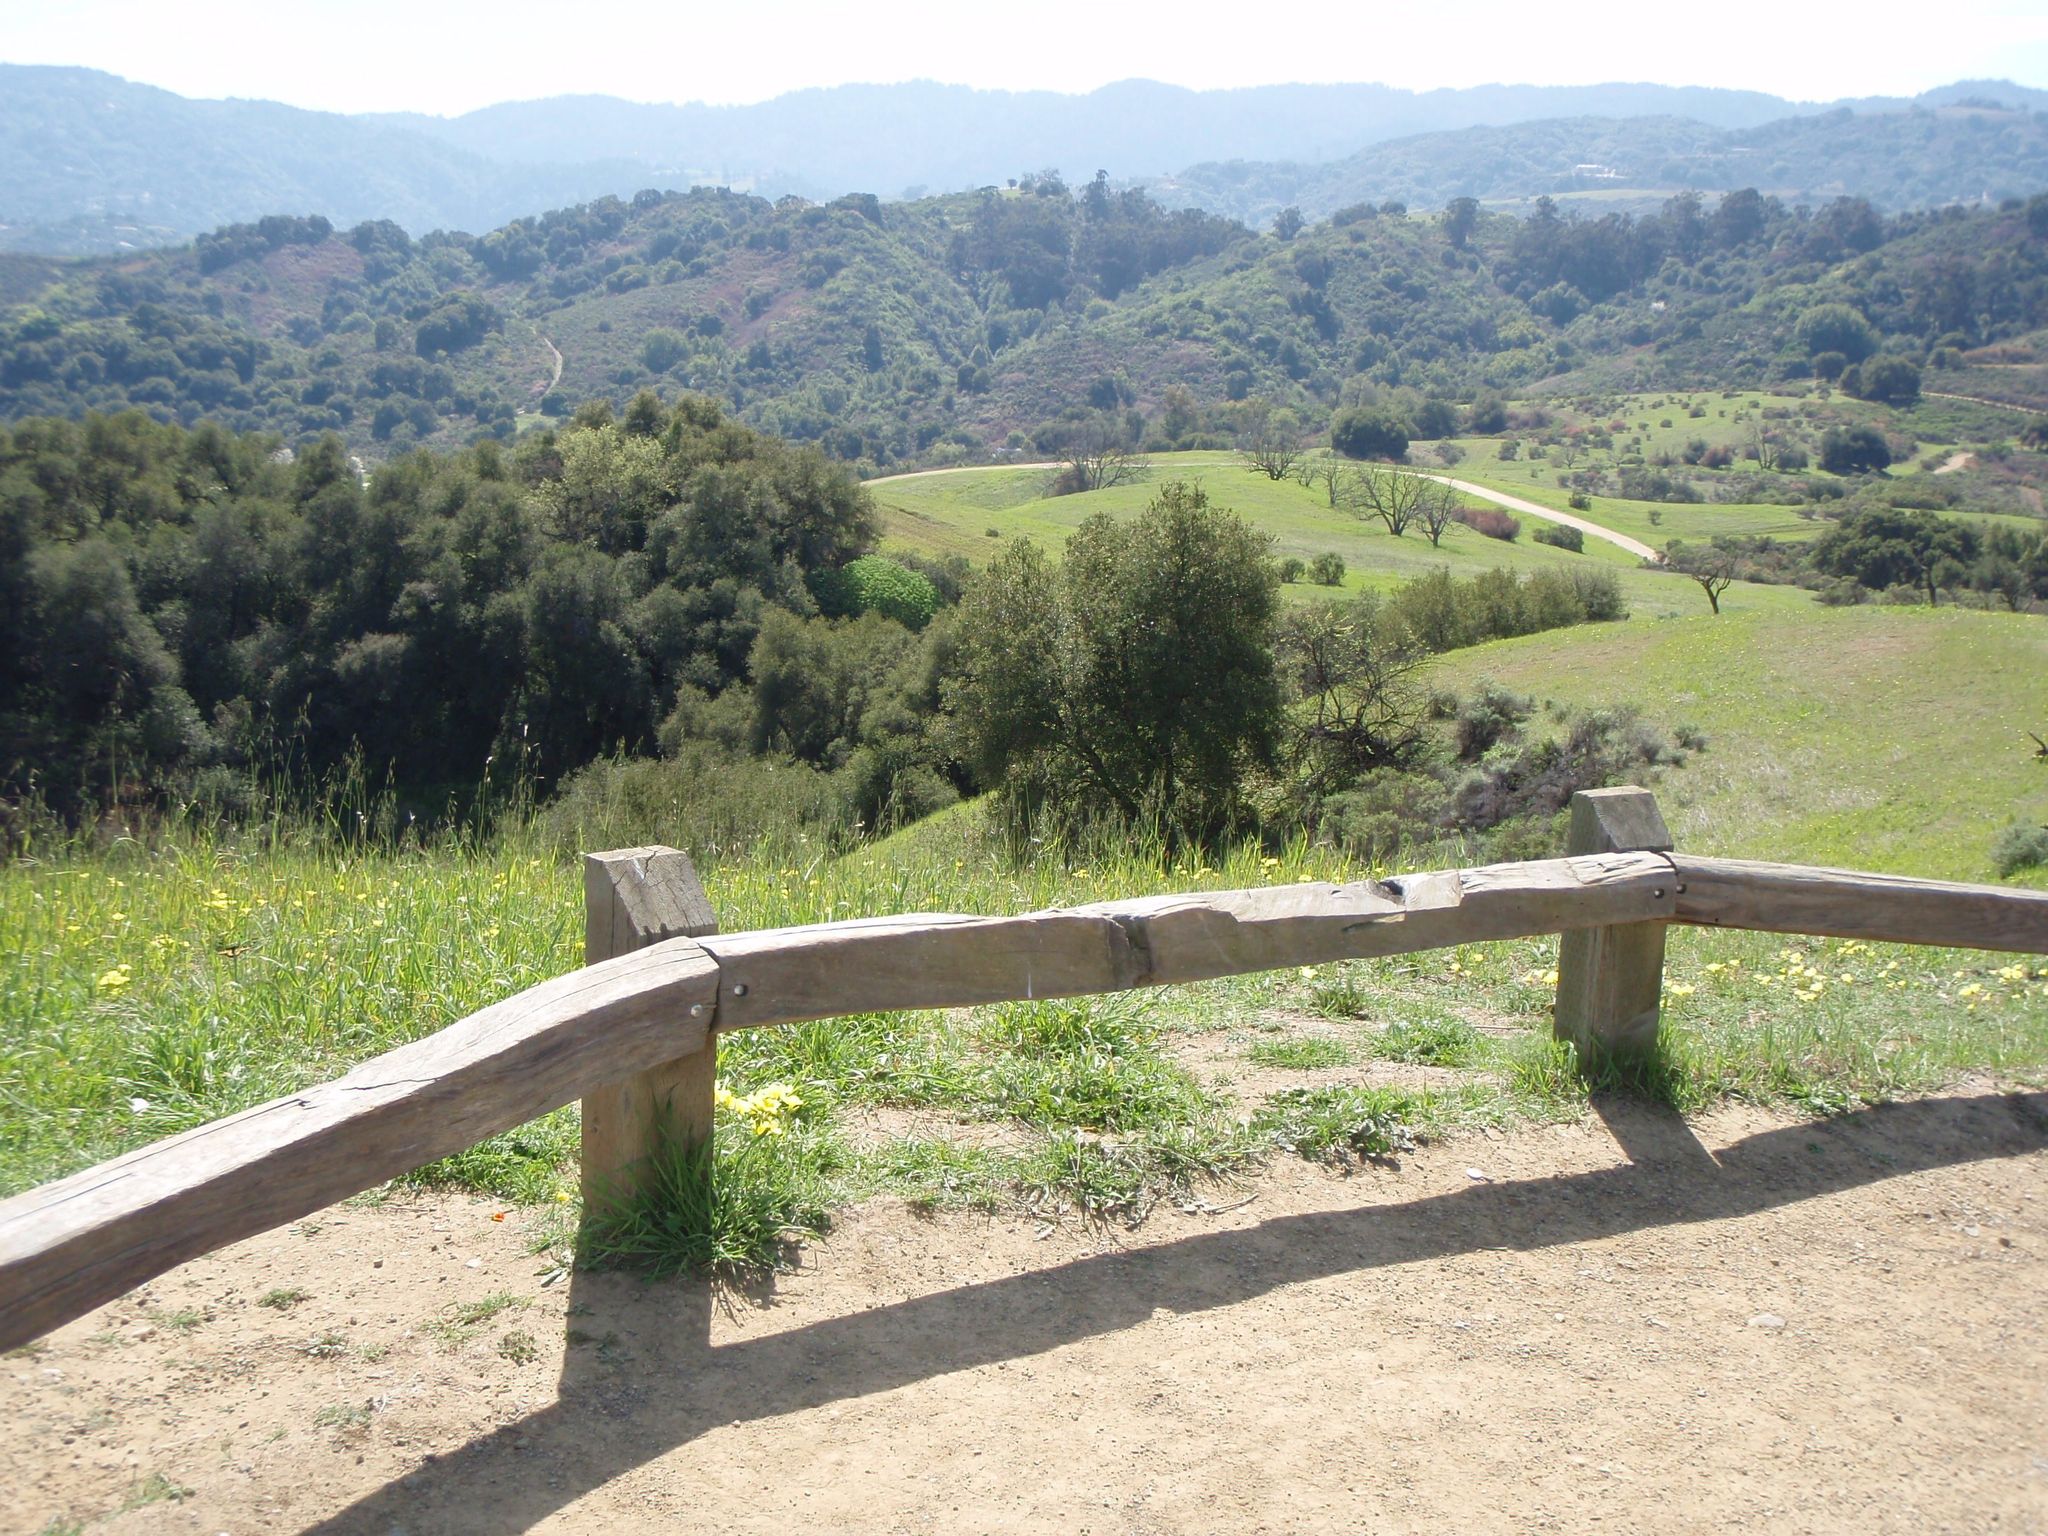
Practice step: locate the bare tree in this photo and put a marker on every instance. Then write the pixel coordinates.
(1334, 475)
(1095, 455)
(1271, 453)
(1714, 569)
(1358, 681)
(1763, 446)
(1269, 440)
(1396, 497)
(1437, 510)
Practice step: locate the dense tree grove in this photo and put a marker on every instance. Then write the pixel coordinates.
(1077, 685)
(188, 608)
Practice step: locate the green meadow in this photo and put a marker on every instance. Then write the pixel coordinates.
(1889, 738)
(970, 513)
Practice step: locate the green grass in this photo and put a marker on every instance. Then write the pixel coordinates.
(150, 986)
(1304, 1053)
(951, 513)
(459, 1322)
(1881, 738)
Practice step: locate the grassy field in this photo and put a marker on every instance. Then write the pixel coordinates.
(146, 988)
(953, 513)
(1886, 738)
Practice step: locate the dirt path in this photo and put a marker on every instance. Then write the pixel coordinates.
(556, 353)
(1753, 1325)
(1955, 462)
(958, 469)
(1635, 547)
(2002, 405)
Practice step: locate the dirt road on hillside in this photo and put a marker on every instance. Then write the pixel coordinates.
(1755, 1324)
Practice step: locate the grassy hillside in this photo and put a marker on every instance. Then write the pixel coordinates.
(1881, 738)
(953, 512)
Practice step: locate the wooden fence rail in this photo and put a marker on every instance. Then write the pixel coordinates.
(649, 1016)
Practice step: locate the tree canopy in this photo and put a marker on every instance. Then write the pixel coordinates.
(1136, 679)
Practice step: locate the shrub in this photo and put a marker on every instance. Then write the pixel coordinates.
(1561, 536)
(1851, 450)
(1369, 432)
(1384, 815)
(876, 584)
(1489, 717)
(2019, 848)
(1327, 569)
(1538, 778)
(1492, 522)
(1291, 570)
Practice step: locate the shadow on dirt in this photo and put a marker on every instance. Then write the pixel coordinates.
(609, 1420)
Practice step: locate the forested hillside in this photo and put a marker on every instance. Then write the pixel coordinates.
(962, 327)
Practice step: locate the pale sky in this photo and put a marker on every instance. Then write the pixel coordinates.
(449, 56)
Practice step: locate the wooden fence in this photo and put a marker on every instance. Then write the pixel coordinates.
(633, 1034)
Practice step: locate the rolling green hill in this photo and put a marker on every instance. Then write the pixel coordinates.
(1877, 738)
(972, 512)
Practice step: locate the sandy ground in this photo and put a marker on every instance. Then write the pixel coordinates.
(1748, 1324)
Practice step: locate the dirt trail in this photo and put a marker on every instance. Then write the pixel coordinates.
(1635, 547)
(1754, 1324)
(2003, 405)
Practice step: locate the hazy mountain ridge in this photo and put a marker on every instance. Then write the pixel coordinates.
(90, 162)
(1912, 158)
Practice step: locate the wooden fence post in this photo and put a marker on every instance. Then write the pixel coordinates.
(634, 897)
(1610, 981)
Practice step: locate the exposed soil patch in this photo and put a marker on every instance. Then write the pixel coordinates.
(1755, 1324)
(1218, 1060)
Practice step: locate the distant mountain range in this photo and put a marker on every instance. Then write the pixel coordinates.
(93, 163)
(1969, 149)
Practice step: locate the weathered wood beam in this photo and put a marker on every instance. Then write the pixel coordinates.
(71, 1245)
(1850, 904)
(1610, 980)
(68, 1246)
(939, 960)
